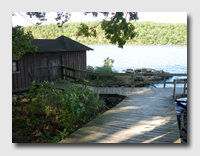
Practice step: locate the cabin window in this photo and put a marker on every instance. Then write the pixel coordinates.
(15, 67)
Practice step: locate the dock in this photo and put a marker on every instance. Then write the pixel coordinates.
(146, 115)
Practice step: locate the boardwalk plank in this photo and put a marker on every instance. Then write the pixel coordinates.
(146, 115)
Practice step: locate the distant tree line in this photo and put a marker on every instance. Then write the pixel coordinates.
(148, 33)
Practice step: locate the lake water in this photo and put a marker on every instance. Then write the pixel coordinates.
(172, 59)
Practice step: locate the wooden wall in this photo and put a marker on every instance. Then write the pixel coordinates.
(76, 60)
(22, 79)
(46, 66)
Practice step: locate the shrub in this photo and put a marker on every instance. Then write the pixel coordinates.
(74, 106)
(91, 77)
(106, 68)
(108, 62)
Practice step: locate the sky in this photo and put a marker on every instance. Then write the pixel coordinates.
(158, 17)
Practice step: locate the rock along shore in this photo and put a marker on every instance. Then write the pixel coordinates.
(140, 78)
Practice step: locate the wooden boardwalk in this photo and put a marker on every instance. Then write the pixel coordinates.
(146, 115)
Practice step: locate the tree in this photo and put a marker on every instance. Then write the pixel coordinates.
(108, 62)
(117, 29)
(21, 42)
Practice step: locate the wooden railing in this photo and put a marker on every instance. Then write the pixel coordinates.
(75, 74)
(184, 81)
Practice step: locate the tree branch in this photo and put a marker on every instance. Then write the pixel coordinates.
(102, 21)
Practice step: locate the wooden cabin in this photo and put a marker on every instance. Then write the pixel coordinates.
(47, 62)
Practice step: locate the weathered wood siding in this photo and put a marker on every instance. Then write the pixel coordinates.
(22, 80)
(49, 64)
(76, 60)
(46, 66)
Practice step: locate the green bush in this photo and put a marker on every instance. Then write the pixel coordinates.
(90, 68)
(108, 62)
(103, 69)
(106, 68)
(91, 77)
(75, 105)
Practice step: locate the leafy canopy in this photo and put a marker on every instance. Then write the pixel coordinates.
(21, 42)
(148, 33)
(117, 29)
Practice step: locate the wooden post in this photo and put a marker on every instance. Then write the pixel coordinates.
(131, 80)
(174, 89)
(184, 87)
(75, 75)
(164, 81)
(63, 73)
(48, 68)
(79, 72)
(97, 80)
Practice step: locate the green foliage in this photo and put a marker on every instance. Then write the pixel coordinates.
(21, 42)
(108, 62)
(106, 68)
(103, 69)
(91, 69)
(64, 17)
(75, 103)
(84, 30)
(146, 33)
(117, 30)
(121, 33)
(61, 16)
(149, 33)
(74, 106)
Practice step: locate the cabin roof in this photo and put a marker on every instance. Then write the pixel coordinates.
(60, 44)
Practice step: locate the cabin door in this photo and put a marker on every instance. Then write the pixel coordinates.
(54, 67)
(48, 67)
